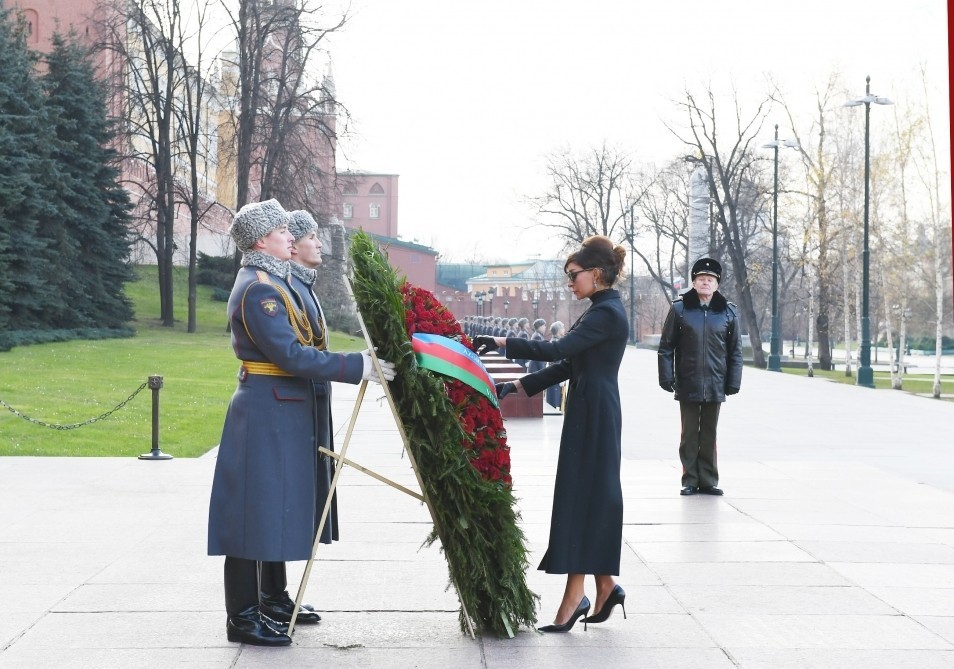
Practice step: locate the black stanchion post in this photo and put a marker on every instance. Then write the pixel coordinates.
(155, 384)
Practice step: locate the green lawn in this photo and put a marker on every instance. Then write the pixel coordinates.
(921, 384)
(71, 382)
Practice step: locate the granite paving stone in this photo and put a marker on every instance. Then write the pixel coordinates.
(832, 548)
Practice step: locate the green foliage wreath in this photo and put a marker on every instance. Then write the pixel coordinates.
(475, 517)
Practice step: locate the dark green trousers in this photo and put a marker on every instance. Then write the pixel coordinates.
(697, 445)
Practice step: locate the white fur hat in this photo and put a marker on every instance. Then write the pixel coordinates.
(301, 224)
(255, 220)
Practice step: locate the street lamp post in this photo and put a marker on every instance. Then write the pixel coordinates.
(536, 306)
(506, 307)
(553, 308)
(775, 347)
(865, 373)
(479, 299)
(631, 235)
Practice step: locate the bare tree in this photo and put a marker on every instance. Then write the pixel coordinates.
(139, 34)
(590, 193)
(283, 114)
(846, 190)
(195, 129)
(907, 127)
(661, 238)
(819, 169)
(169, 140)
(734, 173)
(939, 219)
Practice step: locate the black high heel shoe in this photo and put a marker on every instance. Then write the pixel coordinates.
(616, 597)
(581, 611)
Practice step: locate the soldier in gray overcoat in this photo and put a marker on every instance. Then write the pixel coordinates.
(586, 524)
(264, 507)
(305, 261)
(275, 602)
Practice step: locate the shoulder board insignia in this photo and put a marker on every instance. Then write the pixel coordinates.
(263, 276)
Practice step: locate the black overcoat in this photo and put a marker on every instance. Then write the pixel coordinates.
(264, 490)
(700, 350)
(586, 525)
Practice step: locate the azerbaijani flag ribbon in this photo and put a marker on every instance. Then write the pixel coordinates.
(450, 358)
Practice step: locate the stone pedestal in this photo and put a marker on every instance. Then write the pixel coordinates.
(515, 405)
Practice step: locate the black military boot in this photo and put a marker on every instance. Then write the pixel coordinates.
(280, 607)
(249, 627)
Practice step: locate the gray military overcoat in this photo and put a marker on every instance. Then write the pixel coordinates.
(264, 502)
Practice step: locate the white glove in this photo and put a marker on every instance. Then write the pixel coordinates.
(369, 373)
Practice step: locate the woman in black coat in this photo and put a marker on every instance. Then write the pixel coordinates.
(586, 526)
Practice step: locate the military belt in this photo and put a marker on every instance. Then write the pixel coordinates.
(262, 368)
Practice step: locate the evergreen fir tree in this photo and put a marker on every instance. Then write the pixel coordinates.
(93, 209)
(26, 295)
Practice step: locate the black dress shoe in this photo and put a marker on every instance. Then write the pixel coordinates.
(280, 608)
(689, 490)
(711, 490)
(251, 628)
(275, 625)
(284, 596)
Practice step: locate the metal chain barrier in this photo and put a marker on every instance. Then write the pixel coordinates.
(73, 426)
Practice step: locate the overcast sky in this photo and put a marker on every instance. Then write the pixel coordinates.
(465, 99)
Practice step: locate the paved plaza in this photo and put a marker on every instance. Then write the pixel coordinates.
(832, 548)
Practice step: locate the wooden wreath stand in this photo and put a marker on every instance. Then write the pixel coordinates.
(341, 461)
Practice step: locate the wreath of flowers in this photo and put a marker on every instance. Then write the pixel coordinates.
(459, 446)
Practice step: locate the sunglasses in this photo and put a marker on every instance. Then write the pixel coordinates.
(572, 274)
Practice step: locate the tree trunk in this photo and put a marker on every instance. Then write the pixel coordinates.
(824, 292)
(809, 353)
(889, 333)
(846, 305)
(747, 307)
(939, 250)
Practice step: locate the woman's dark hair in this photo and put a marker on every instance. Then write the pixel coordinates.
(599, 251)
